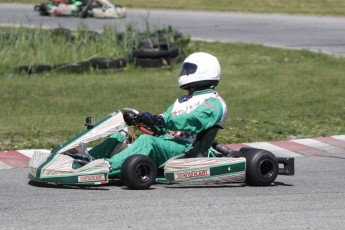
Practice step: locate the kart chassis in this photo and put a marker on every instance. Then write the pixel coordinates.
(206, 163)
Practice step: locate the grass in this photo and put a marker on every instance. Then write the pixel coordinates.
(272, 94)
(21, 46)
(319, 7)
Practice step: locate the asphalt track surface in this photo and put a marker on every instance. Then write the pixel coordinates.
(312, 199)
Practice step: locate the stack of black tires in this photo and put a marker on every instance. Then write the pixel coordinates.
(150, 50)
(157, 49)
(161, 55)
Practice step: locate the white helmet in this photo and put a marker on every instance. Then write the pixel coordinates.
(199, 69)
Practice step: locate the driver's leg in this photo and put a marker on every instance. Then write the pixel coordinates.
(104, 149)
(157, 148)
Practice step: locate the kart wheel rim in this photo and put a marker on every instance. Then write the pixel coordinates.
(143, 173)
(266, 169)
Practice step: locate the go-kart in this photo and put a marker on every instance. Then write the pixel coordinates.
(81, 8)
(206, 163)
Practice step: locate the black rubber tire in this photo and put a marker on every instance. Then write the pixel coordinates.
(42, 9)
(164, 34)
(84, 12)
(33, 69)
(73, 68)
(37, 7)
(156, 53)
(152, 62)
(138, 172)
(107, 63)
(261, 167)
(160, 45)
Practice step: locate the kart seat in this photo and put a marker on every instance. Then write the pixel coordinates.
(203, 142)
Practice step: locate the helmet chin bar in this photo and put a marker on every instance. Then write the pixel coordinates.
(200, 85)
(193, 88)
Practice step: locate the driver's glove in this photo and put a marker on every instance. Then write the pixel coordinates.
(129, 119)
(150, 119)
(159, 121)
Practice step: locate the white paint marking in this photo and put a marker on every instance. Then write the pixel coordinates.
(30, 152)
(320, 145)
(339, 137)
(276, 150)
(4, 166)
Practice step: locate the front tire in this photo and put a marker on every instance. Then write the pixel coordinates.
(42, 9)
(138, 172)
(262, 166)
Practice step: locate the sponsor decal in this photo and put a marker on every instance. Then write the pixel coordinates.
(192, 174)
(210, 105)
(87, 178)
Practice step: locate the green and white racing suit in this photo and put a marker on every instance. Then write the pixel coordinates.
(188, 116)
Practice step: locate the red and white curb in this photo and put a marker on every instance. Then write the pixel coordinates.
(17, 158)
(333, 146)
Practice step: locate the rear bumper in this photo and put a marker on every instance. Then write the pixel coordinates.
(286, 166)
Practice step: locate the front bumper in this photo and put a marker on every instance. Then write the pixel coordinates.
(59, 169)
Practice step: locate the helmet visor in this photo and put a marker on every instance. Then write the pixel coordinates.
(188, 68)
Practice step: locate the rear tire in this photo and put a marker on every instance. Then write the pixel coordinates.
(261, 168)
(138, 172)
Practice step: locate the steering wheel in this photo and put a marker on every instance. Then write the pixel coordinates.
(130, 116)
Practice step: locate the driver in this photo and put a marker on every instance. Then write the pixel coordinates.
(180, 124)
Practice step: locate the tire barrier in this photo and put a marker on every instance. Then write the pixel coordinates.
(161, 52)
(154, 50)
(162, 56)
(33, 69)
(79, 67)
(152, 62)
(107, 63)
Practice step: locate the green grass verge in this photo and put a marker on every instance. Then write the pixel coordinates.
(272, 94)
(321, 7)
